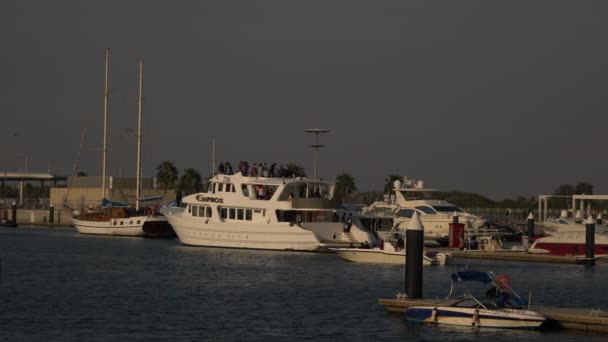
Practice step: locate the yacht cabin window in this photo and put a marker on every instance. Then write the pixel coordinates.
(220, 187)
(194, 210)
(223, 213)
(208, 211)
(406, 213)
(232, 213)
(239, 214)
(426, 210)
(448, 209)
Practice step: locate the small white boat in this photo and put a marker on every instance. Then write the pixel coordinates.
(501, 307)
(389, 254)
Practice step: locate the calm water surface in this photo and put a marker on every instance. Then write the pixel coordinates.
(56, 284)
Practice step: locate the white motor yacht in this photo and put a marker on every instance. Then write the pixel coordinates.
(263, 213)
(435, 212)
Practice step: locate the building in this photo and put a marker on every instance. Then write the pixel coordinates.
(87, 191)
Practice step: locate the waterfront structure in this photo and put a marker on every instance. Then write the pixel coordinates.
(264, 213)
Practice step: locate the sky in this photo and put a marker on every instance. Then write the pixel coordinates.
(502, 98)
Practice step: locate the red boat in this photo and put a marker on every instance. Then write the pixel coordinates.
(570, 244)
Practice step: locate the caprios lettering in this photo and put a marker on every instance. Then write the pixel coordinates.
(201, 198)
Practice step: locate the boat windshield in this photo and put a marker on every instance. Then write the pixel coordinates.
(305, 189)
(448, 209)
(410, 194)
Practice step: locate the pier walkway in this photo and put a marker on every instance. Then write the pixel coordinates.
(517, 256)
(558, 318)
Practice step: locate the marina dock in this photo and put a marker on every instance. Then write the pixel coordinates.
(558, 318)
(518, 256)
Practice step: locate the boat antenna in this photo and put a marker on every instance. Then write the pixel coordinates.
(213, 157)
(105, 126)
(138, 178)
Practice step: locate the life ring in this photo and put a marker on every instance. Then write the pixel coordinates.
(149, 211)
(503, 282)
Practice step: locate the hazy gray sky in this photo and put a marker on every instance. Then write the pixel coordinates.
(501, 98)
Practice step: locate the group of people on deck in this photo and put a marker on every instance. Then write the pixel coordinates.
(256, 170)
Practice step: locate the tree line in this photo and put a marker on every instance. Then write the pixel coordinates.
(346, 189)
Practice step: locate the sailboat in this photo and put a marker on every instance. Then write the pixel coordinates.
(117, 218)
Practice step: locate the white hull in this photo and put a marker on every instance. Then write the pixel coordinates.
(499, 318)
(378, 256)
(132, 226)
(274, 236)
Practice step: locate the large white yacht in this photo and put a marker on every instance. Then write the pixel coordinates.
(408, 197)
(263, 213)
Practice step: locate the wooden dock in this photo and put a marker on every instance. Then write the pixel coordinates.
(558, 318)
(517, 256)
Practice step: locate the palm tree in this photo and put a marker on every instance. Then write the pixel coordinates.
(294, 170)
(167, 174)
(190, 182)
(389, 183)
(345, 184)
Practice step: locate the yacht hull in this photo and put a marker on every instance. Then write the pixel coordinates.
(571, 244)
(378, 256)
(499, 318)
(270, 236)
(133, 226)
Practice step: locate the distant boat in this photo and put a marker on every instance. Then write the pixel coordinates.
(389, 253)
(118, 218)
(411, 197)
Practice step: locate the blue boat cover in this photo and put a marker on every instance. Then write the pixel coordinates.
(106, 203)
(471, 276)
(149, 199)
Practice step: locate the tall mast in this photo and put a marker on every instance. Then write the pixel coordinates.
(141, 87)
(105, 127)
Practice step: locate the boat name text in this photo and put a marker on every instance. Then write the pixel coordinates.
(201, 198)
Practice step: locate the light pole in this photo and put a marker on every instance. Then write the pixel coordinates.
(316, 145)
(21, 183)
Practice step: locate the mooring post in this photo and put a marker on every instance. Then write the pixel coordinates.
(414, 240)
(14, 212)
(531, 227)
(590, 242)
(455, 218)
(51, 213)
(599, 219)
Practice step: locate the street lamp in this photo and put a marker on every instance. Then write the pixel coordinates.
(316, 145)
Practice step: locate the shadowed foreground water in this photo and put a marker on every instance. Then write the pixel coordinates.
(56, 284)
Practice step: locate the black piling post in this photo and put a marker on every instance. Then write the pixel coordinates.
(590, 242)
(531, 227)
(14, 212)
(414, 244)
(51, 213)
(455, 218)
(599, 219)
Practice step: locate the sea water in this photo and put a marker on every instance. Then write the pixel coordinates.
(56, 284)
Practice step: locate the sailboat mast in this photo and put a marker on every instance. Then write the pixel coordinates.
(105, 127)
(138, 182)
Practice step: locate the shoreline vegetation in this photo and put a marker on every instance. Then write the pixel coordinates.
(190, 181)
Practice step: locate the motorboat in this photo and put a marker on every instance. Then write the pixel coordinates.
(500, 307)
(570, 244)
(388, 255)
(435, 212)
(260, 212)
(564, 224)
